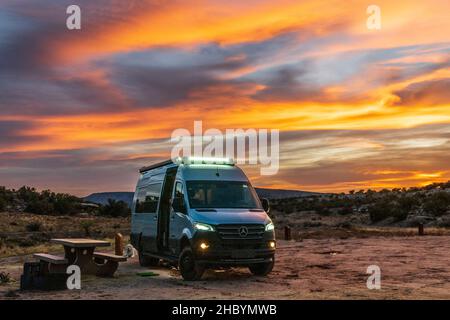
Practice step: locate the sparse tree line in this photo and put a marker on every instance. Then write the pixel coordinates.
(432, 200)
(27, 199)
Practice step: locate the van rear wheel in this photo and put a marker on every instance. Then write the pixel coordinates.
(262, 269)
(189, 268)
(146, 261)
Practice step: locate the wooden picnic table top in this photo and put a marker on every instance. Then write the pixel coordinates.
(81, 243)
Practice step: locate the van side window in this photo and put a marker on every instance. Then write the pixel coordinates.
(179, 191)
(148, 198)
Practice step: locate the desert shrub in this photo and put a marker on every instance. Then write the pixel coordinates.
(46, 202)
(406, 204)
(346, 210)
(2, 204)
(40, 207)
(33, 226)
(288, 209)
(309, 224)
(115, 209)
(6, 194)
(66, 204)
(391, 206)
(399, 214)
(380, 211)
(437, 204)
(27, 194)
(445, 223)
(345, 225)
(86, 226)
(323, 210)
(4, 277)
(26, 242)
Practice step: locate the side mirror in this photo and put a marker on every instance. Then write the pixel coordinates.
(265, 205)
(178, 205)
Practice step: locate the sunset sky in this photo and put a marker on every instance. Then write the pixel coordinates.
(82, 110)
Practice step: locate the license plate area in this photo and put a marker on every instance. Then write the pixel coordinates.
(243, 254)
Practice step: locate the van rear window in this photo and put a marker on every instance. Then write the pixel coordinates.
(221, 194)
(148, 198)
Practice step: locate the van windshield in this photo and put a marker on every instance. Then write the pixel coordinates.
(221, 194)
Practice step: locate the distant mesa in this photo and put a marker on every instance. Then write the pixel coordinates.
(103, 197)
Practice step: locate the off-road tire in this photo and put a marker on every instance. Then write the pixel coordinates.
(262, 269)
(190, 269)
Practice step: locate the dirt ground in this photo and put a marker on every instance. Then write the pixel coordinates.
(411, 268)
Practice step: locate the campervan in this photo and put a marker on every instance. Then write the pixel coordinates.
(200, 213)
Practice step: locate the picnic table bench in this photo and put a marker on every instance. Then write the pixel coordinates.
(107, 262)
(81, 252)
(51, 263)
(51, 258)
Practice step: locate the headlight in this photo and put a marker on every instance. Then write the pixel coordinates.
(203, 227)
(270, 227)
(204, 246)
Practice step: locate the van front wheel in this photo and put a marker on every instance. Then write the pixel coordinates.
(189, 268)
(262, 269)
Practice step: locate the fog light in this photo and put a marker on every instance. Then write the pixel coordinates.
(204, 246)
(272, 244)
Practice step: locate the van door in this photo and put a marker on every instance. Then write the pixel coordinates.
(164, 209)
(146, 216)
(178, 218)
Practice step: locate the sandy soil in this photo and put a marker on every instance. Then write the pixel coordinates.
(412, 268)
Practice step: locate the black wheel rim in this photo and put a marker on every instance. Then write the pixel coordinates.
(188, 263)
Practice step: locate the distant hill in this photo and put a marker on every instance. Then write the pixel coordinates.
(127, 197)
(103, 197)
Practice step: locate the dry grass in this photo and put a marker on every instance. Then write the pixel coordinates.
(305, 225)
(359, 232)
(17, 222)
(16, 240)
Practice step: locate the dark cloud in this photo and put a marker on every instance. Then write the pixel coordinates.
(432, 92)
(379, 135)
(88, 95)
(153, 86)
(33, 77)
(11, 133)
(286, 85)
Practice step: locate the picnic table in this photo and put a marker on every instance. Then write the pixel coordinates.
(81, 252)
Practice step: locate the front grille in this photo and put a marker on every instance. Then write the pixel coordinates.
(236, 231)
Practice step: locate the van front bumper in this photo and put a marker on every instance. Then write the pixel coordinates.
(242, 252)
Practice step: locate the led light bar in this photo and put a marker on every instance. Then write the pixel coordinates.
(205, 160)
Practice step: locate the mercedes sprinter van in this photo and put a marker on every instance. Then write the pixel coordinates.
(201, 213)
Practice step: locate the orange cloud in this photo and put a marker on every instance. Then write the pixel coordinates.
(192, 22)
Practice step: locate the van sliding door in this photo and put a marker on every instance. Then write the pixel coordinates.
(164, 209)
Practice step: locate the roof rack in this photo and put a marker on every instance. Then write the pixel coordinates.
(205, 160)
(190, 161)
(156, 165)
